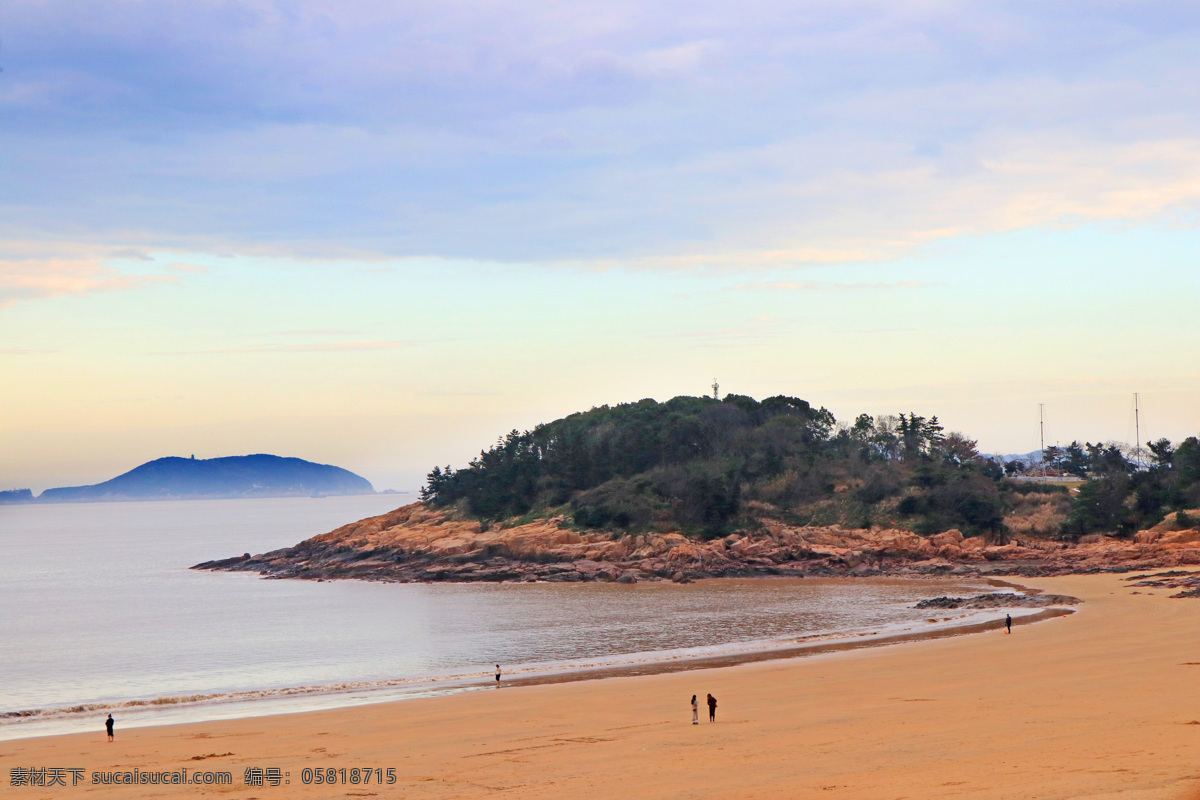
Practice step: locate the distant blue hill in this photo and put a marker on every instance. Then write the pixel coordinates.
(11, 496)
(233, 476)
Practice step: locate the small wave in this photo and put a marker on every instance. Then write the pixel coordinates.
(437, 684)
(235, 697)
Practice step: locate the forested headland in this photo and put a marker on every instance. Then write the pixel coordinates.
(710, 467)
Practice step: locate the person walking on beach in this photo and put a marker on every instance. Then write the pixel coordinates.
(712, 708)
(1008, 623)
(497, 675)
(108, 725)
(695, 711)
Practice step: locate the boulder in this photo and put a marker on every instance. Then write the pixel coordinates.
(904, 544)
(950, 552)
(684, 553)
(1002, 553)
(952, 537)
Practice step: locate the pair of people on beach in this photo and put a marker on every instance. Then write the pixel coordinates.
(712, 710)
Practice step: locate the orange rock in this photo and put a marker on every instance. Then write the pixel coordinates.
(950, 552)
(416, 542)
(952, 536)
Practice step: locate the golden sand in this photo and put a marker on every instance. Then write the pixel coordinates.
(1104, 703)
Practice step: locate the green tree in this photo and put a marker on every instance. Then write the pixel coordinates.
(1100, 506)
(1075, 460)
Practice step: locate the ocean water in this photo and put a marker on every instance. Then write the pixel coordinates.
(100, 611)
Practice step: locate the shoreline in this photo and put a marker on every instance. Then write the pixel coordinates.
(1105, 704)
(190, 709)
(420, 544)
(841, 645)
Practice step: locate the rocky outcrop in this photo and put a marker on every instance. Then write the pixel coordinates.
(1000, 600)
(418, 543)
(1188, 582)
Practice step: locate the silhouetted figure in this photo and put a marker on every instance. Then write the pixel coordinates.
(695, 711)
(712, 708)
(1008, 623)
(108, 725)
(497, 674)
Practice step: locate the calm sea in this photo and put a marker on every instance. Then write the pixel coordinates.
(101, 611)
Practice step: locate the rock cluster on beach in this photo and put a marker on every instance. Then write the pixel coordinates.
(1000, 600)
(1188, 582)
(419, 543)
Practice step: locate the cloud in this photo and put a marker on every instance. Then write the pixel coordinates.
(825, 286)
(31, 271)
(662, 135)
(311, 347)
(130, 254)
(448, 393)
(760, 328)
(315, 332)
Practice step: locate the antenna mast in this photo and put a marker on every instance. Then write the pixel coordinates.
(1042, 435)
(715, 387)
(1137, 427)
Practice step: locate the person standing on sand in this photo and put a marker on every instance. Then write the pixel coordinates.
(108, 725)
(712, 708)
(695, 711)
(1008, 623)
(497, 675)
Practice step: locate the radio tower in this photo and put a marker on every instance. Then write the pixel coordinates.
(715, 387)
(1137, 427)
(1042, 435)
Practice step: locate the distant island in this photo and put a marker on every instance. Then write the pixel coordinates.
(700, 487)
(175, 478)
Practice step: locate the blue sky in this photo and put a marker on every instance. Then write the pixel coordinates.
(379, 235)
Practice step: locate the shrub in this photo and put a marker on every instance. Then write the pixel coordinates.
(618, 503)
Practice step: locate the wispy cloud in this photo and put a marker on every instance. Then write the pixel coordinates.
(761, 136)
(130, 254)
(758, 329)
(825, 286)
(315, 332)
(310, 347)
(451, 393)
(29, 272)
(714, 333)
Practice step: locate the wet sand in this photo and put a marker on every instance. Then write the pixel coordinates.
(1103, 703)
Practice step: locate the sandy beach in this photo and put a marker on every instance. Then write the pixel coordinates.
(1104, 703)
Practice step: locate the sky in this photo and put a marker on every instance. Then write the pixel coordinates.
(381, 235)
